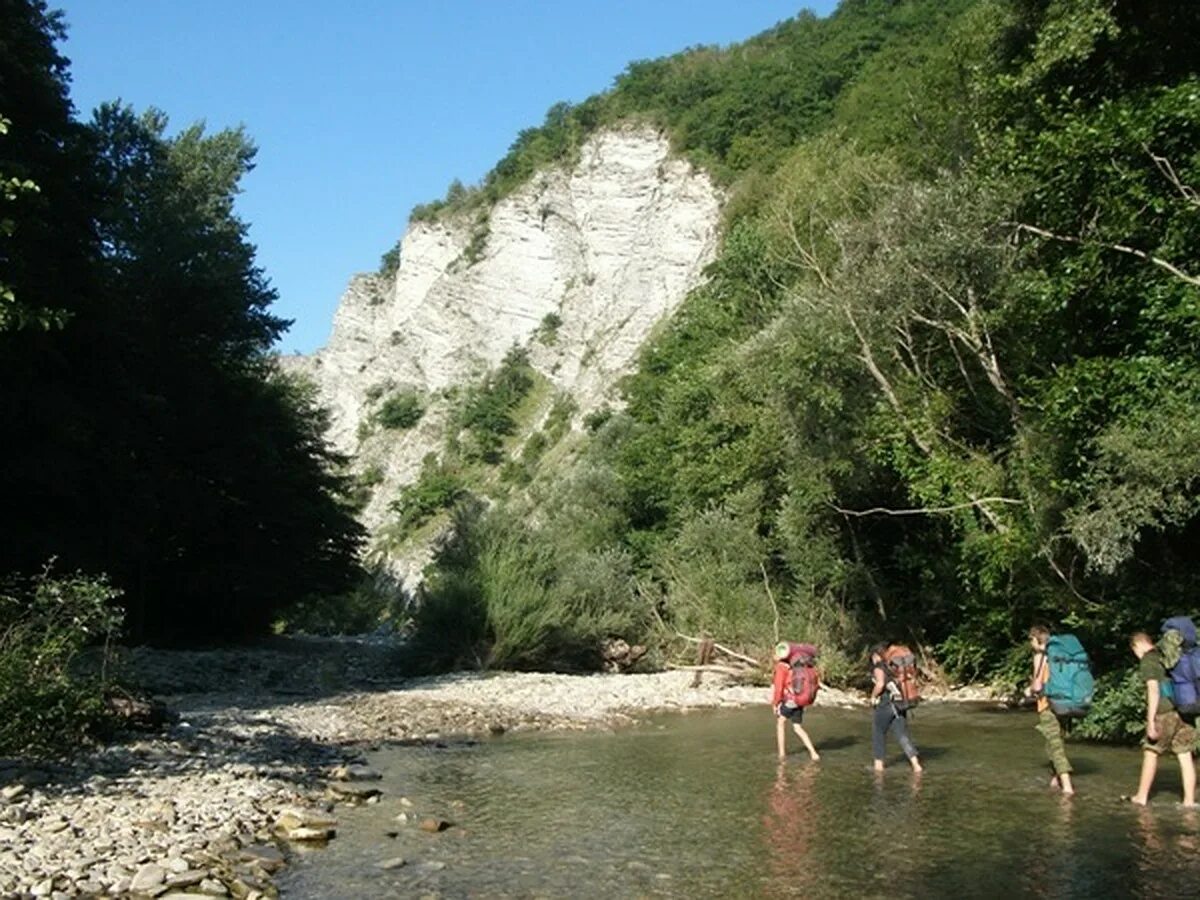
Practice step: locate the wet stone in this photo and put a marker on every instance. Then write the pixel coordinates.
(433, 824)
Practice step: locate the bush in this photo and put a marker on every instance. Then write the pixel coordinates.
(435, 489)
(376, 600)
(1118, 712)
(547, 331)
(487, 410)
(389, 263)
(499, 596)
(47, 706)
(400, 411)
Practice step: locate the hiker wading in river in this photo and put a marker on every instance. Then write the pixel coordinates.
(889, 664)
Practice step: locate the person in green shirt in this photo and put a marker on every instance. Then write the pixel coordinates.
(1165, 729)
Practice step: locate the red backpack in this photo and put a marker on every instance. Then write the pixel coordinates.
(901, 666)
(802, 687)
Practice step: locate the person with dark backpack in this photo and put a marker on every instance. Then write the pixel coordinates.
(1062, 682)
(894, 692)
(794, 689)
(1166, 730)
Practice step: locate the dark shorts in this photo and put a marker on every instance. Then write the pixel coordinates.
(794, 714)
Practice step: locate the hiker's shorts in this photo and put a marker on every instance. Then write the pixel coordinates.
(1174, 735)
(1051, 729)
(794, 714)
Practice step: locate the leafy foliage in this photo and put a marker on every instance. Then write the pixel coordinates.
(46, 704)
(941, 380)
(151, 436)
(485, 415)
(437, 488)
(400, 410)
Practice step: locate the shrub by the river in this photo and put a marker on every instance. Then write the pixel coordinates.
(1118, 713)
(47, 703)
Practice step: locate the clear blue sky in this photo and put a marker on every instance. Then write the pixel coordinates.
(362, 109)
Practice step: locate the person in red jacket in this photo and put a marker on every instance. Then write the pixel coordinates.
(786, 709)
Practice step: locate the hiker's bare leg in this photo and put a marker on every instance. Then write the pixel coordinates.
(1064, 781)
(808, 744)
(781, 736)
(1149, 769)
(1187, 768)
(915, 762)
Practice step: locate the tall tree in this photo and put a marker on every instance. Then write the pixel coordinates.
(151, 436)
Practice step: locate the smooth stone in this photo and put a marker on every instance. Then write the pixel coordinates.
(394, 863)
(268, 856)
(147, 878)
(177, 865)
(432, 824)
(309, 834)
(210, 887)
(352, 791)
(11, 792)
(186, 879)
(297, 817)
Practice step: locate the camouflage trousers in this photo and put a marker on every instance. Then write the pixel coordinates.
(1050, 728)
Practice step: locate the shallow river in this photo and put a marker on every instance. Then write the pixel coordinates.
(696, 806)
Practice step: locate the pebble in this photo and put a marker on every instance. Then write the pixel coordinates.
(394, 863)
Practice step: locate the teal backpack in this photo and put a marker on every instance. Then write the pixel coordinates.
(1069, 685)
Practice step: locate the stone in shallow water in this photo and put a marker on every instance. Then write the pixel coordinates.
(267, 856)
(309, 834)
(433, 824)
(394, 863)
(356, 793)
(300, 817)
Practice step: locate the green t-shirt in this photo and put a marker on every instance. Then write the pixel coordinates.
(1151, 668)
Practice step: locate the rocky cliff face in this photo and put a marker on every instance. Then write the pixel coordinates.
(578, 266)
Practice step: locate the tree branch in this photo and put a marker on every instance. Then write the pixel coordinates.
(1119, 248)
(981, 504)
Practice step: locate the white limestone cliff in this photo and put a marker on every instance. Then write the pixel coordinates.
(610, 246)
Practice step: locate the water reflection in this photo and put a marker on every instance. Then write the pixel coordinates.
(790, 827)
(697, 807)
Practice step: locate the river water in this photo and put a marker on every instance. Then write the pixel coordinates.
(696, 806)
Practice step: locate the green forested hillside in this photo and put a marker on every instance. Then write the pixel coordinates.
(943, 379)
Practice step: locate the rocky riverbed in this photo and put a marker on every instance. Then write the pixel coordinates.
(264, 746)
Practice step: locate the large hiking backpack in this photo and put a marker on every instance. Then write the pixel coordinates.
(901, 667)
(1185, 669)
(1069, 683)
(804, 680)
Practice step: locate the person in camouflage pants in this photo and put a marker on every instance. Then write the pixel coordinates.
(1048, 724)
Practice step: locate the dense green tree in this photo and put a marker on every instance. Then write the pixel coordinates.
(151, 436)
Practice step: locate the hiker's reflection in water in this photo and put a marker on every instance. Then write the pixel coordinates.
(790, 824)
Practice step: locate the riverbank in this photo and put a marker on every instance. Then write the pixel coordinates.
(263, 738)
